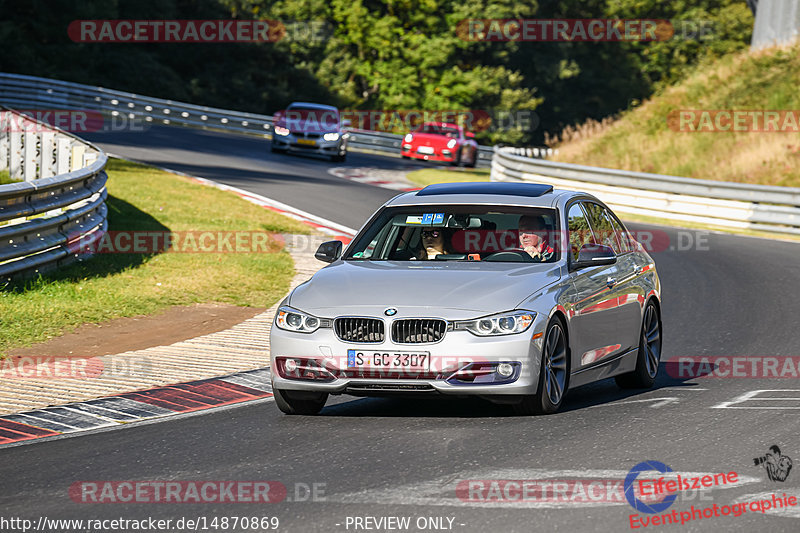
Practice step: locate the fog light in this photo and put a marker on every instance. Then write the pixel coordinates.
(291, 365)
(505, 369)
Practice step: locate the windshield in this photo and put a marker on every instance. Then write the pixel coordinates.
(460, 233)
(308, 118)
(438, 130)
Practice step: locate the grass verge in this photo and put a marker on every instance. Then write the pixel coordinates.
(650, 138)
(5, 178)
(120, 285)
(428, 176)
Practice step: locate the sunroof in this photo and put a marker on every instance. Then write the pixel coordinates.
(482, 187)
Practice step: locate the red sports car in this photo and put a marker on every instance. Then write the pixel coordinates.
(441, 141)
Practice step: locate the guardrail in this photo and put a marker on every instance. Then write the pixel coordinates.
(21, 92)
(60, 200)
(733, 205)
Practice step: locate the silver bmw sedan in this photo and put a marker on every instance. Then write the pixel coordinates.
(513, 292)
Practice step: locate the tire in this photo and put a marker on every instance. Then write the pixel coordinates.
(649, 357)
(474, 160)
(275, 150)
(405, 156)
(338, 158)
(553, 374)
(457, 161)
(291, 404)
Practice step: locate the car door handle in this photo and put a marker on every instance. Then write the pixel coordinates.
(611, 282)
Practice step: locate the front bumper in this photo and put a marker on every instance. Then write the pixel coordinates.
(446, 155)
(456, 351)
(294, 143)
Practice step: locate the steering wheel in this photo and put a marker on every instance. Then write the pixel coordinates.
(515, 255)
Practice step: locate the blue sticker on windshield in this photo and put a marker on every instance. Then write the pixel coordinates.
(433, 218)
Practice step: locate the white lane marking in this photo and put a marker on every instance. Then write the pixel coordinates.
(263, 386)
(102, 420)
(368, 176)
(442, 491)
(789, 512)
(659, 402)
(753, 395)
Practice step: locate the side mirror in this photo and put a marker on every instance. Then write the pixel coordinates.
(594, 255)
(470, 135)
(329, 251)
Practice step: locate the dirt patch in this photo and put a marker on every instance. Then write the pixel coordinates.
(176, 324)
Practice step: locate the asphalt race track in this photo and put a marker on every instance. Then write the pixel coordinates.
(722, 296)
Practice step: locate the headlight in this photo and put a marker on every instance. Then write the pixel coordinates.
(501, 324)
(294, 320)
(451, 143)
(331, 136)
(408, 138)
(283, 132)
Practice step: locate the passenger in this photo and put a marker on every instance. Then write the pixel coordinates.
(435, 241)
(533, 238)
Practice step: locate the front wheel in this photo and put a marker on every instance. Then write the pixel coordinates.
(299, 403)
(553, 375)
(649, 357)
(457, 161)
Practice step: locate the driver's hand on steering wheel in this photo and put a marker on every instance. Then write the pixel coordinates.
(533, 252)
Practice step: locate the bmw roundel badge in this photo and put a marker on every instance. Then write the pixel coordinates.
(391, 311)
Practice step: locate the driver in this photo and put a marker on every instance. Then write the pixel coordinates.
(434, 242)
(533, 238)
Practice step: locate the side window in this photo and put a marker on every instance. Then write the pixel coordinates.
(622, 234)
(601, 226)
(379, 239)
(579, 231)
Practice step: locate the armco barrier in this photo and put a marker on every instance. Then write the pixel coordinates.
(60, 199)
(733, 205)
(30, 92)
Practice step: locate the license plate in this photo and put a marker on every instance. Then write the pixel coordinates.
(307, 142)
(425, 149)
(406, 361)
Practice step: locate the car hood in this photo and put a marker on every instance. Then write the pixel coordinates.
(347, 287)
